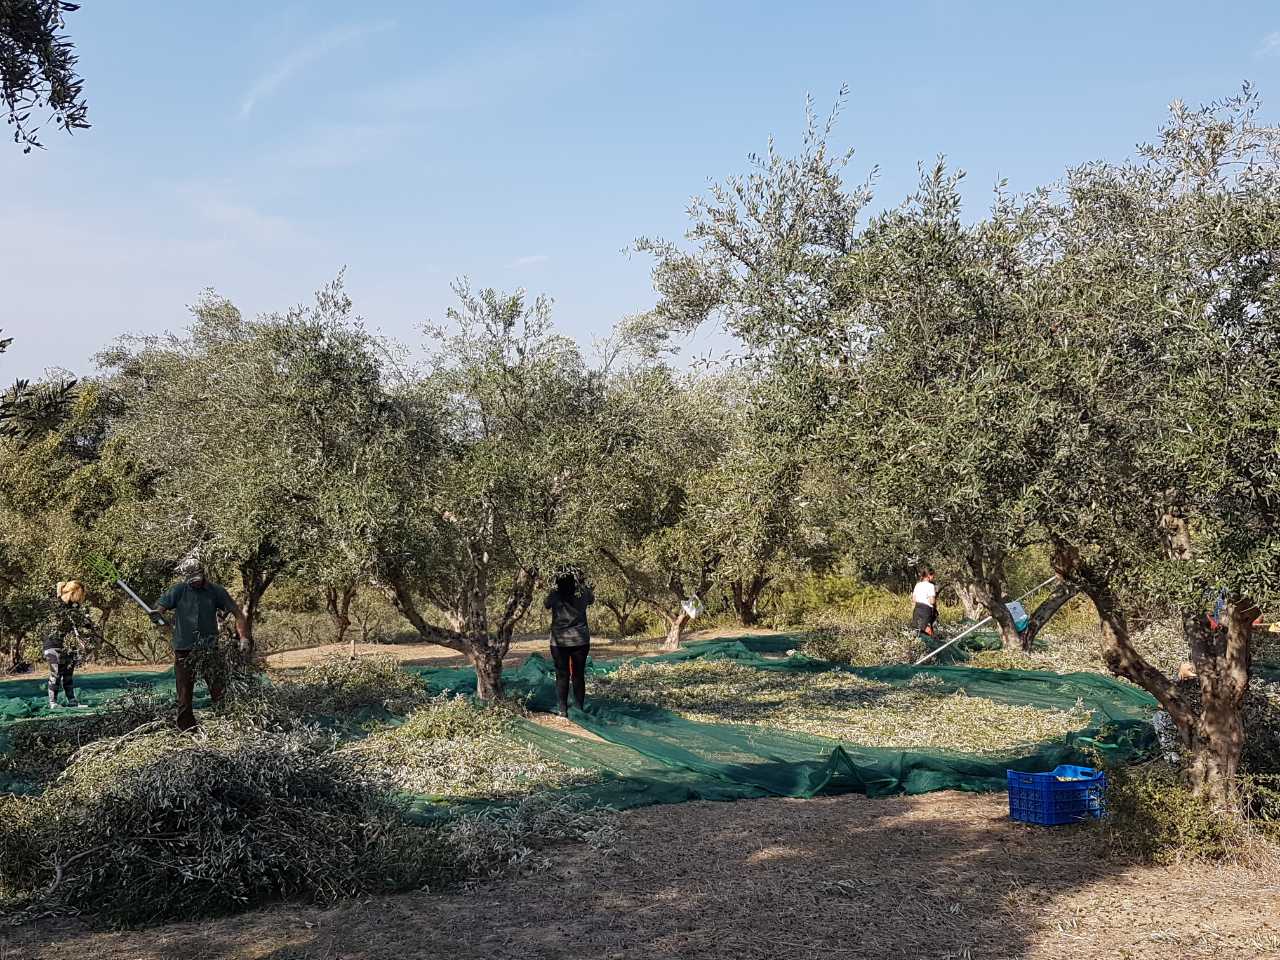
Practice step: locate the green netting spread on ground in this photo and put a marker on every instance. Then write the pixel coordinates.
(653, 755)
(650, 755)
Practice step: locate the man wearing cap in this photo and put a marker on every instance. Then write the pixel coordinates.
(196, 603)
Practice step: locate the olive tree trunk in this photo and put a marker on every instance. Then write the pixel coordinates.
(622, 611)
(675, 630)
(1221, 659)
(746, 597)
(484, 646)
(986, 565)
(1213, 734)
(337, 600)
(1043, 613)
(967, 593)
(254, 581)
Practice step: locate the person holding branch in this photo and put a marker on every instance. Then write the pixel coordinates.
(195, 603)
(64, 634)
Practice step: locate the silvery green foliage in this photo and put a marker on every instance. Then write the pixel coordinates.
(1160, 287)
(508, 492)
(766, 251)
(264, 441)
(67, 493)
(38, 69)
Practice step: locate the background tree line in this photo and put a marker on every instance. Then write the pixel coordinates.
(1088, 371)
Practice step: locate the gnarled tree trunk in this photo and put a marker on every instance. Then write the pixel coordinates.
(1212, 734)
(1221, 658)
(987, 569)
(621, 612)
(254, 583)
(967, 593)
(487, 661)
(1042, 614)
(746, 597)
(675, 629)
(337, 600)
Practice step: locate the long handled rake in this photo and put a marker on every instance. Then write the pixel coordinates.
(107, 570)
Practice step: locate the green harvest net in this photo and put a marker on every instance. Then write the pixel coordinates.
(648, 755)
(652, 755)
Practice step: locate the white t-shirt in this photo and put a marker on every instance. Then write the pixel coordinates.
(925, 592)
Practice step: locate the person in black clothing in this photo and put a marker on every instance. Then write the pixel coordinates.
(570, 638)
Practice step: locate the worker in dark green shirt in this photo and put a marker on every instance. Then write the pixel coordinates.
(196, 603)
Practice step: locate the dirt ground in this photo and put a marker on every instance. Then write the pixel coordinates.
(432, 655)
(944, 876)
(427, 654)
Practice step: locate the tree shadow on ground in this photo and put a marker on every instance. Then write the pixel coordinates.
(941, 876)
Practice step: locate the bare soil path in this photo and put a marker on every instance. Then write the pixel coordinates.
(433, 655)
(939, 876)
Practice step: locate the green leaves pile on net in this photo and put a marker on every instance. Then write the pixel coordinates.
(923, 715)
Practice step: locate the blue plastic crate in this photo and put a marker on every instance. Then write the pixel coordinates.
(1045, 799)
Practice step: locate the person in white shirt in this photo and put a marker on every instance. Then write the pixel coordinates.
(925, 596)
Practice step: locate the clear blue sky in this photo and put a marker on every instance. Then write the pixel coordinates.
(258, 148)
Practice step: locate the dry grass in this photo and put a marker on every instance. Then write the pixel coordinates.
(937, 876)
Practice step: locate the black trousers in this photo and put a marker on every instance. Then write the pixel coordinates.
(923, 617)
(186, 665)
(62, 669)
(571, 668)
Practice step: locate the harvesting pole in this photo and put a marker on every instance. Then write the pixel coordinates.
(106, 568)
(960, 636)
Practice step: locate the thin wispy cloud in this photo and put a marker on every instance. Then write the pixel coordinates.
(1270, 45)
(532, 56)
(301, 58)
(530, 261)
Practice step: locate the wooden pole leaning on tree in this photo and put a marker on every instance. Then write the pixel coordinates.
(960, 636)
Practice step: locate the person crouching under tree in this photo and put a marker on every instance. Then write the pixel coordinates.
(925, 596)
(63, 633)
(570, 638)
(196, 603)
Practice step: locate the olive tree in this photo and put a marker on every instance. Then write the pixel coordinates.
(665, 437)
(66, 494)
(500, 489)
(38, 68)
(939, 421)
(764, 253)
(257, 438)
(27, 410)
(337, 382)
(1160, 338)
(764, 258)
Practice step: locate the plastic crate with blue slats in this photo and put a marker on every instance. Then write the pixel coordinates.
(1069, 794)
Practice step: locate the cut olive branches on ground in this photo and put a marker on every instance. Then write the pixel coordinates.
(925, 714)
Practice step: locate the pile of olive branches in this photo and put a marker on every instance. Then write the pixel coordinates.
(261, 805)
